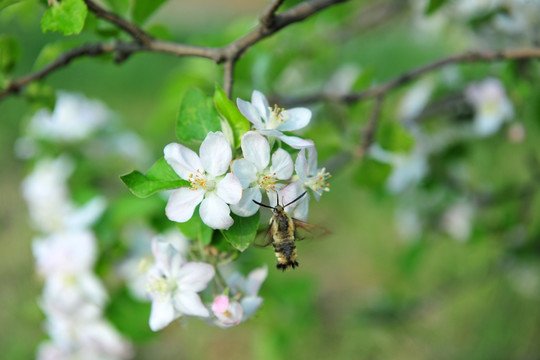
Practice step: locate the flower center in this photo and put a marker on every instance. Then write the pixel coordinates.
(198, 180)
(277, 117)
(267, 181)
(158, 287)
(318, 183)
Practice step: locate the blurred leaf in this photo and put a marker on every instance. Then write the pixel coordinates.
(372, 174)
(486, 17)
(51, 51)
(129, 316)
(194, 228)
(239, 124)
(242, 233)
(66, 16)
(6, 3)
(196, 118)
(392, 136)
(40, 95)
(160, 177)
(143, 9)
(434, 5)
(119, 7)
(160, 31)
(9, 53)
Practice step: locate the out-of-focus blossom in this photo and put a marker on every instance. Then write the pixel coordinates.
(457, 220)
(255, 174)
(244, 300)
(408, 169)
(73, 119)
(516, 133)
(228, 313)
(310, 178)
(46, 193)
(492, 106)
(273, 121)
(210, 187)
(140, 259)
(173, 285)
(415, 100)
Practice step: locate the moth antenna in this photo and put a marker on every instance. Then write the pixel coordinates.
(261, 204)
(295, 200)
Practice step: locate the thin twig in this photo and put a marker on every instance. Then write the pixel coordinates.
(228, 54)
(268, 14)
(368, 133)
(136, 33)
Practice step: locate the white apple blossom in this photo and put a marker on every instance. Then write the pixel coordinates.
(492, 106)
(457, 220)
(210, 186)
(273, 121)
(255, 174)
(310, 179)
(173, 286)
(73, 119)
(140, 259)
(228, 313)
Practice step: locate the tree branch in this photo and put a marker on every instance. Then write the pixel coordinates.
(384, 88)
(229, 54)
(136, 33)
(368, 133)
(228, 77)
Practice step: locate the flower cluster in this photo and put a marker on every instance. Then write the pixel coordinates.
(65, 251)
(221, 183)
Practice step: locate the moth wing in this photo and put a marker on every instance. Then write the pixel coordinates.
(304, 230)
(264, 238)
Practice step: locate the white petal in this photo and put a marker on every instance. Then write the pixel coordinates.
(215, 212)
(250, 306)
(190, 303)
(182, 204)
(183, 160)
(195, 276)
(162, 313)
(256, 149)
(296, 142)
(216, 154)
(300, 166)
(250, 112)
(246, 206)
(291, 192)
(255, 280)
(229, 189)
(311, 160)
(282, 164)
(261, 104)
(300, 211)
(298, 118)
(244, 171)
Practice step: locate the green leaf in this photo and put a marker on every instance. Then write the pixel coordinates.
(239, 124)
(40, 95)
(434, 5)
(65, 16)
(242, 233)
(196, 118)
(119, 7)
(194, 228)
(130, 316)
(371, 174)
(9, 53)
(392, 136)
(142, 9)
(160, 177)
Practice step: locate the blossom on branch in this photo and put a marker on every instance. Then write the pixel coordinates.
(255, 174)
(210, 186)
(273, 121)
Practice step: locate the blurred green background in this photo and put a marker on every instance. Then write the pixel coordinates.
(360, 293)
